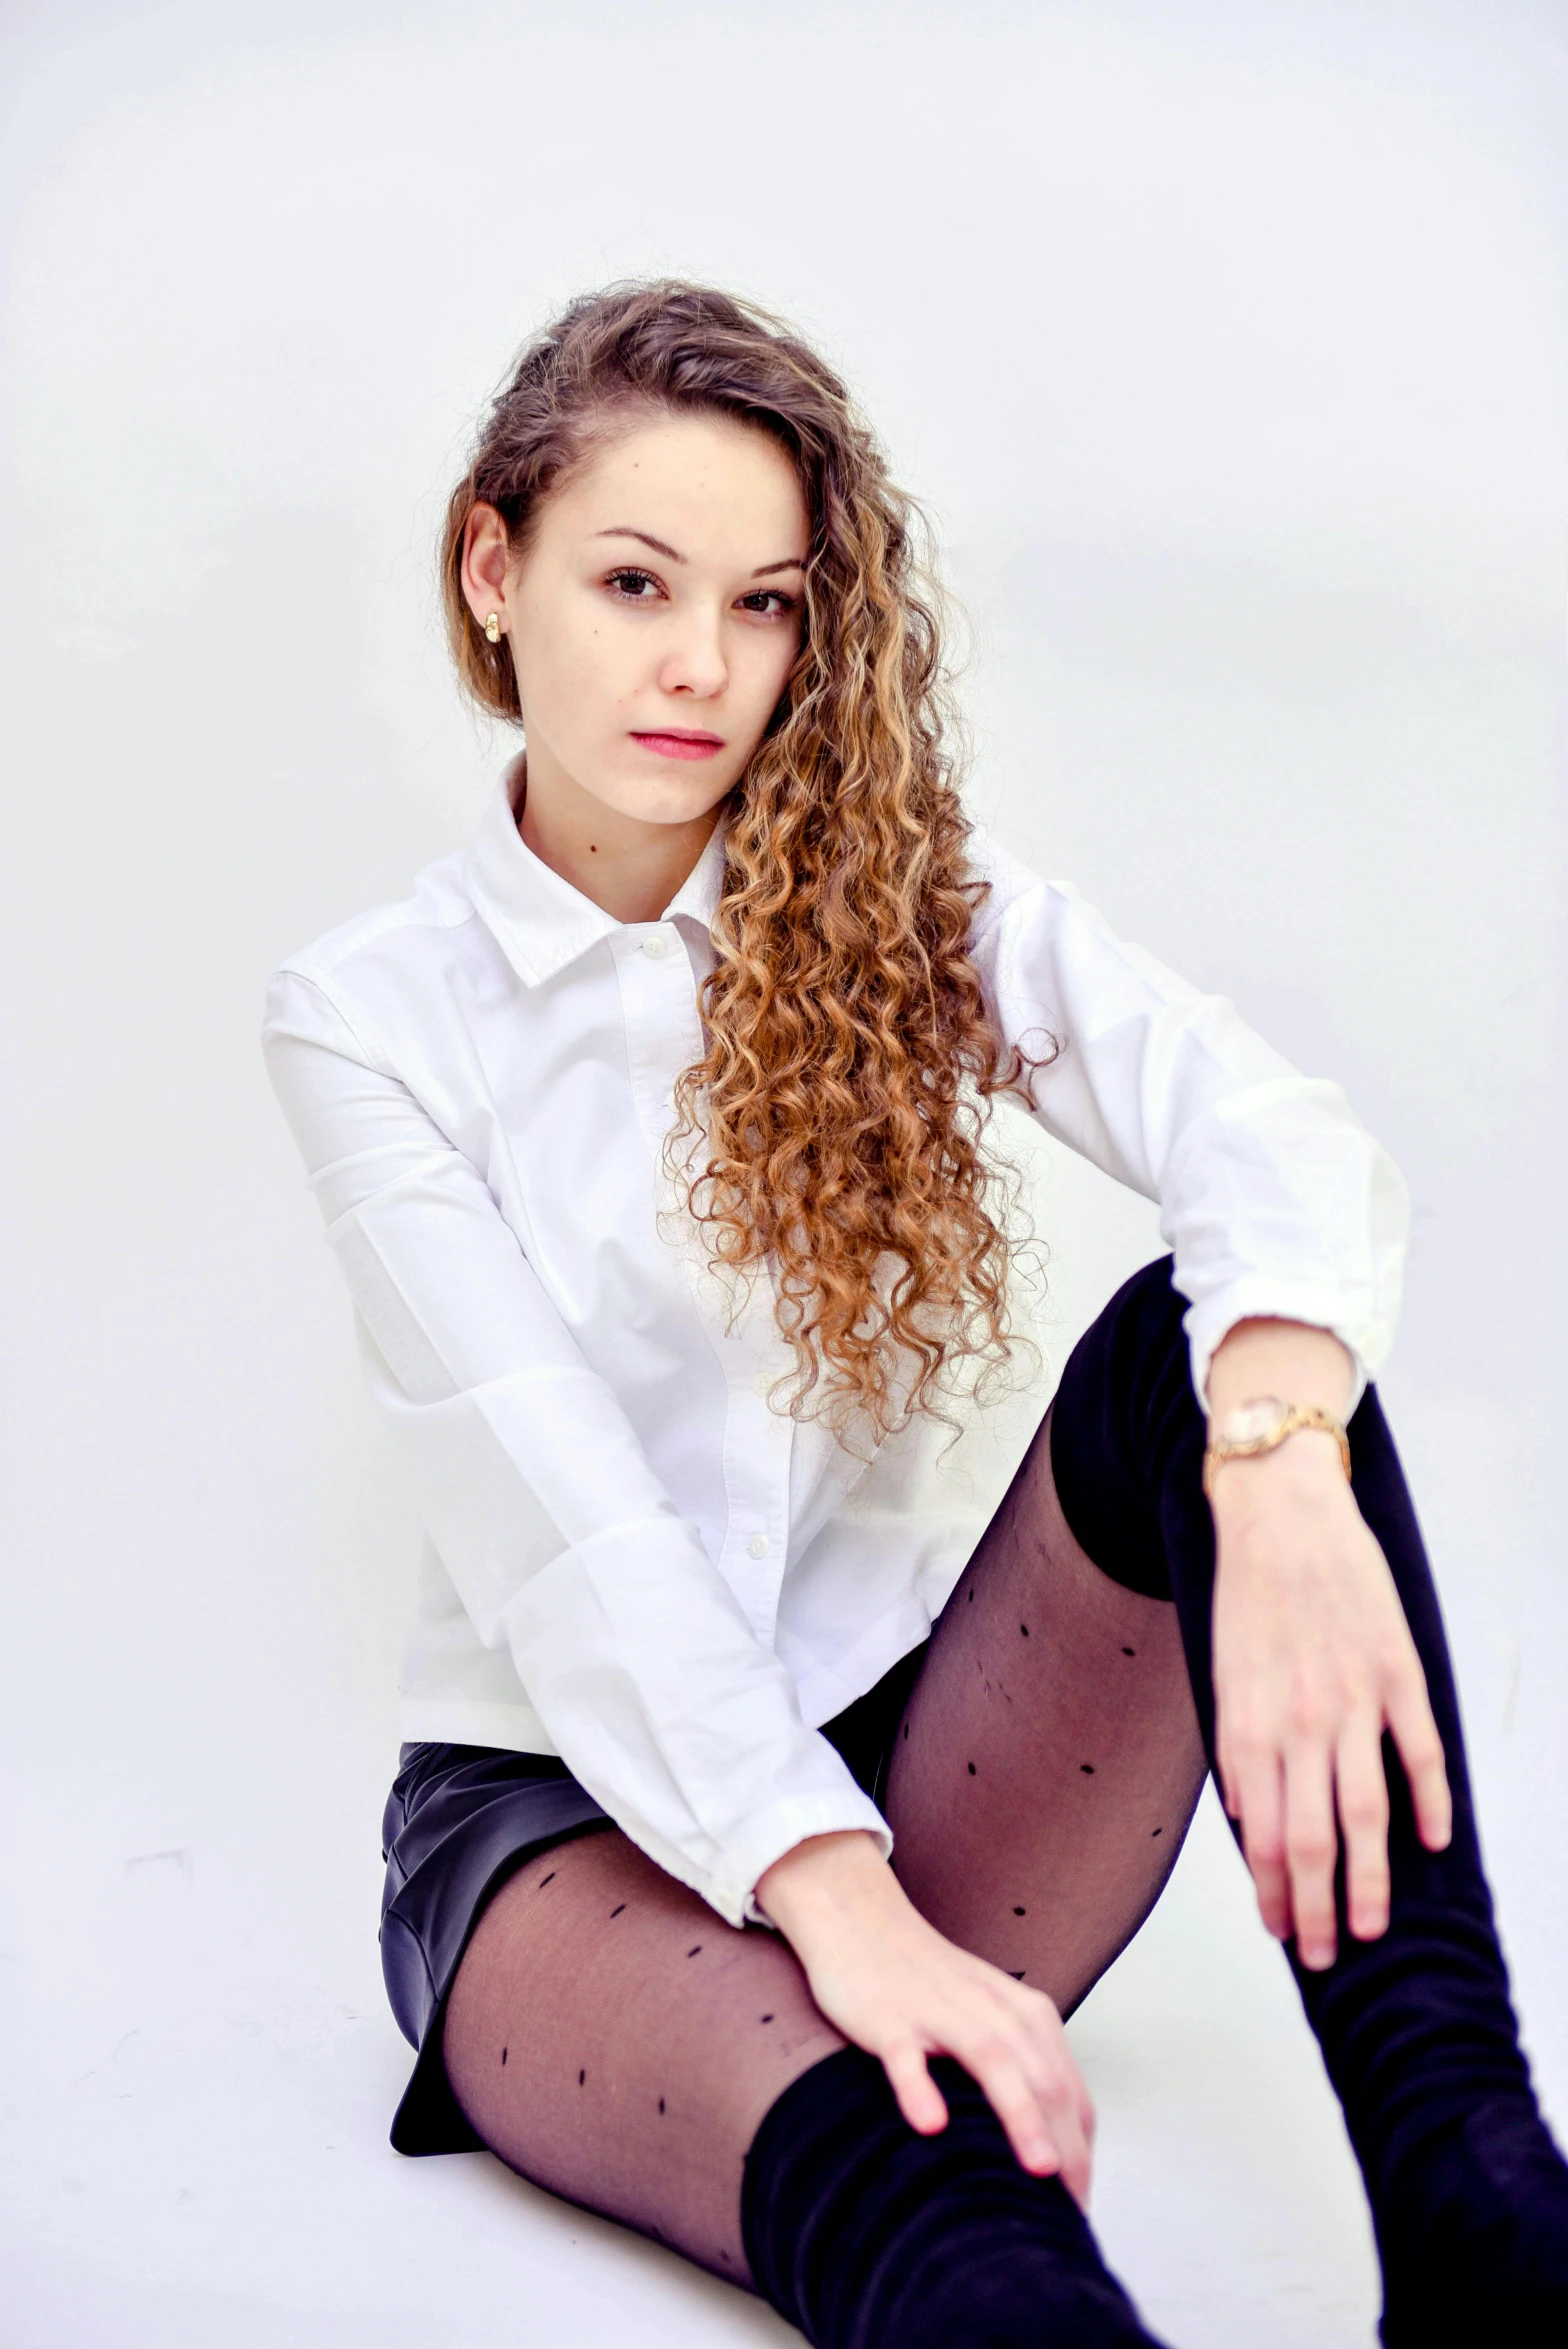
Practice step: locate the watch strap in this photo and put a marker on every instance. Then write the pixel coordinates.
(1293, 1419)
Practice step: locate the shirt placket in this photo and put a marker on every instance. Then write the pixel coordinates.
(663, 1037)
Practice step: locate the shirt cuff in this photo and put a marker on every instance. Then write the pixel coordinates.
(775, 1831)
(1264, 1298)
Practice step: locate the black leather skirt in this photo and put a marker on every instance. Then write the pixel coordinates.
(461, 1819)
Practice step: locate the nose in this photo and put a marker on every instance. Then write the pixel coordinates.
(694, 661)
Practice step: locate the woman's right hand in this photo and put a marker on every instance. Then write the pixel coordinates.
(896, 1987)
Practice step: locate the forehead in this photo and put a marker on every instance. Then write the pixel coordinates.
(709, 486)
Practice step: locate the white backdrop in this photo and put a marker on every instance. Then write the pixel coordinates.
(1227, 345)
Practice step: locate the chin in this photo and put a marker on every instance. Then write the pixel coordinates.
(675, 799)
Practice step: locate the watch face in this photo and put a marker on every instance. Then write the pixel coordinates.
(1248, 1421)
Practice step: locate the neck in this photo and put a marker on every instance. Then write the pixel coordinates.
(630, 868)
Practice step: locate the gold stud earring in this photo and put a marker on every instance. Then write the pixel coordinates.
(493, 628)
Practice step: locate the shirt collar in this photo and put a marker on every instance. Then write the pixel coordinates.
(540, 919)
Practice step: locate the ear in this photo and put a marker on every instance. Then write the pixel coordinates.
(486, 561)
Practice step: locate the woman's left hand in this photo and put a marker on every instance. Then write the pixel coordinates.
(1313, 1660)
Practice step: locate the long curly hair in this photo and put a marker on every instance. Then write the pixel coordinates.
(840, 1109)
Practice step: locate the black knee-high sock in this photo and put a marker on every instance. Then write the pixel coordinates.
(1469, 2195)
(868, 2236)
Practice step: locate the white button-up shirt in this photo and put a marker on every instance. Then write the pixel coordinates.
(631, 1557)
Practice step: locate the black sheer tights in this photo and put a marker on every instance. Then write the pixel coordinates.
(611, 2039)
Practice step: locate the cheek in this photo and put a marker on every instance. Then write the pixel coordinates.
(764, 671)
(572, 672)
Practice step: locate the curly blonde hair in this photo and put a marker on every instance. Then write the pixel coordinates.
(844, 1093)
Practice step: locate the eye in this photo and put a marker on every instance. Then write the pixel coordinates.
(633, 586)
(771, 602)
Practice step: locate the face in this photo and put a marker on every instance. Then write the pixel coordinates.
(655, 617)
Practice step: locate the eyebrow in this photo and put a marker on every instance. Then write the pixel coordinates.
(619, 530)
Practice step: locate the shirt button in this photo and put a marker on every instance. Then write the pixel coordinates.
(763, 1382)
(758, 1545)
(656, 945)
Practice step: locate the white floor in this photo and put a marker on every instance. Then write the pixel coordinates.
(195, 2149)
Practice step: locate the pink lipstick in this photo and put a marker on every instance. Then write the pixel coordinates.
(680, 742)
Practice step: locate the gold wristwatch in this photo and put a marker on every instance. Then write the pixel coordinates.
(1261, 1424)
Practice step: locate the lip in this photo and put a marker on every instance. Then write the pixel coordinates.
(678, 742)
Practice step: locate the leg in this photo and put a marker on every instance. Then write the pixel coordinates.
(1049, 1761)
(612, 2039)
(1469, 2196)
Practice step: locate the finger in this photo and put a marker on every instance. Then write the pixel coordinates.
(1310, 1848)
(1012, 2097)
(1068, 2114)
(1065, 2100)
(1048, 2058)
(1261, 1815)
(920, 2100)
(1421, 1751)
(1063, 2106)
(1061, 2097)
(1361, 1791)
(1230, 1798)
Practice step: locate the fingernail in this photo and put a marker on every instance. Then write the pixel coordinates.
(1038, 2155)
(1319, 1958)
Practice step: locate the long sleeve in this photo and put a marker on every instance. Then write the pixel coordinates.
(1273, 1198)
(561, 1541)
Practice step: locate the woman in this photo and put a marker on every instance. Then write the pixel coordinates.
(652, 1136)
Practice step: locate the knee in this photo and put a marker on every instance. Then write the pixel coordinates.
(857, 2229)
(1132, 1368)
(1124, 1410)
(1148, 1312)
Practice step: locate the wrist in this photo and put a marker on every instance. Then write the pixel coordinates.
(825, 1881)
(1306, 1470)
(1263, 1425)
(1289, 1358)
